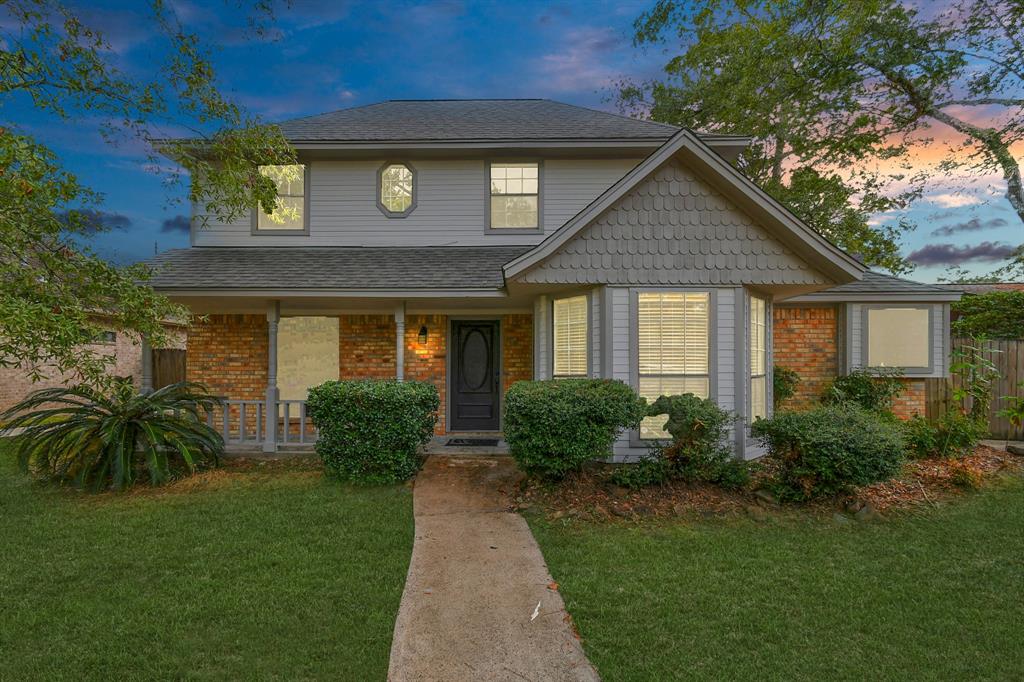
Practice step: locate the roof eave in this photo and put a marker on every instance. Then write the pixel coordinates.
(812, 247)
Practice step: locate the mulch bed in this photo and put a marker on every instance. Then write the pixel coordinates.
(590, 496)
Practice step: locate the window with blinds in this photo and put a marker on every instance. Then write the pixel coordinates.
(758, 358)
(673, 349)
(569, 318)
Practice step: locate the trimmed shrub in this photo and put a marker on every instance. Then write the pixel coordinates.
(872, 389)
(371, 430)
(698, 451)
(953, 435)
(784, 383)
(830, 449)
(557, 425)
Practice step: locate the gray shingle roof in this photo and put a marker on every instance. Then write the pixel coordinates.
(885, 286)
(333, 268)
(466, 120)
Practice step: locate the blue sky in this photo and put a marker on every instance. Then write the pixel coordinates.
(330, 55)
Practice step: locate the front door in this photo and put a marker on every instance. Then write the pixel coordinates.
(476, 376)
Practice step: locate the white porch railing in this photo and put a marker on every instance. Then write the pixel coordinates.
(242, 423)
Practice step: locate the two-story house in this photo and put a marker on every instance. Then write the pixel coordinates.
(477, 243)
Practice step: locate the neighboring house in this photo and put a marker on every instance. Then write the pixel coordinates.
(477, 243)
(16, 382)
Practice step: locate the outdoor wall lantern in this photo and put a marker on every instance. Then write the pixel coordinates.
(423, 334)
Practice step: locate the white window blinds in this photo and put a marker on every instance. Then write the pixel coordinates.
(898, 337)
(673, 349)
(570, 336)
(758, 358)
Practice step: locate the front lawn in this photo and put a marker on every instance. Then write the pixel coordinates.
(235, 574)
(935, 595)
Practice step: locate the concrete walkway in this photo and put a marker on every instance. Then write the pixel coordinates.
(470, 607)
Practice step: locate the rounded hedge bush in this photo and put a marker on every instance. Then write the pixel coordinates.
(556, 426)
(371, 430)
(830, 449)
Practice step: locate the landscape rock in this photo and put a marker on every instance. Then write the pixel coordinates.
(766, 497)
(1015, 450)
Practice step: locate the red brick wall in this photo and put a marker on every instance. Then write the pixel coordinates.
(516, 349)
(805, 340)
(367, 346)
(428, 361)
(912, 400)
(228, 353)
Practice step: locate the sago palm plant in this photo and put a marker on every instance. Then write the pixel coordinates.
(92, 438)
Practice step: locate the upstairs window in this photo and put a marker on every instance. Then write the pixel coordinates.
(515, 196)
(673, 348)
(290, 213)
(396, 190)
(898, 337)
(569, 316)
(758, 358)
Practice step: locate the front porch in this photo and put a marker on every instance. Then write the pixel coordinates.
(262, 365)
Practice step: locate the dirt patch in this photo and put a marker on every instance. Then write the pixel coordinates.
(590, 495)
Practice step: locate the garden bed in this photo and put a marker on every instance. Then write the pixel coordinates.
(589, 495)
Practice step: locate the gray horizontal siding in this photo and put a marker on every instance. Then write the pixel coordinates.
(451, 198)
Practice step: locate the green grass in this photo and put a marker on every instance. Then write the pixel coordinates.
(235, 575)
(933, 596)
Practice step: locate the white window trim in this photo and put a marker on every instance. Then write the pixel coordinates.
(766, 371)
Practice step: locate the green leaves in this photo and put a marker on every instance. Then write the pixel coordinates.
(54, 293)
(554, 427)
(94, 438)
(371, 430)
(835, 94)
(994, 315)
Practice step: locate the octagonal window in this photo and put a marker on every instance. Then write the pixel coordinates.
(396, 194)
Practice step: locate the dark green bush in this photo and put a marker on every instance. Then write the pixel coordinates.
(995, 315)
(558, 425)
(830, 449)
(872, 389)
(784, 383)
(371, 430)
(952, 435)
(698, 451)
(97, 438)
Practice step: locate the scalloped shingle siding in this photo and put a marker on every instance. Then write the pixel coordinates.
(673, 228)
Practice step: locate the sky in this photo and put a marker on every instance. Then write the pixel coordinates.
(332, 54)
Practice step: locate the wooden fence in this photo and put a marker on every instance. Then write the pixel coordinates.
(1008, 357)
(168, 366)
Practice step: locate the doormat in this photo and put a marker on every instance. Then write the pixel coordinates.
(472, 442)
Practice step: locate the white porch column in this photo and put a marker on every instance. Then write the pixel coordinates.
(270, 409)
(400, 341)
(147, 367)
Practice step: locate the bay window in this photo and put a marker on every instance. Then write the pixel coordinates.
(673, 350)
(569, 320)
